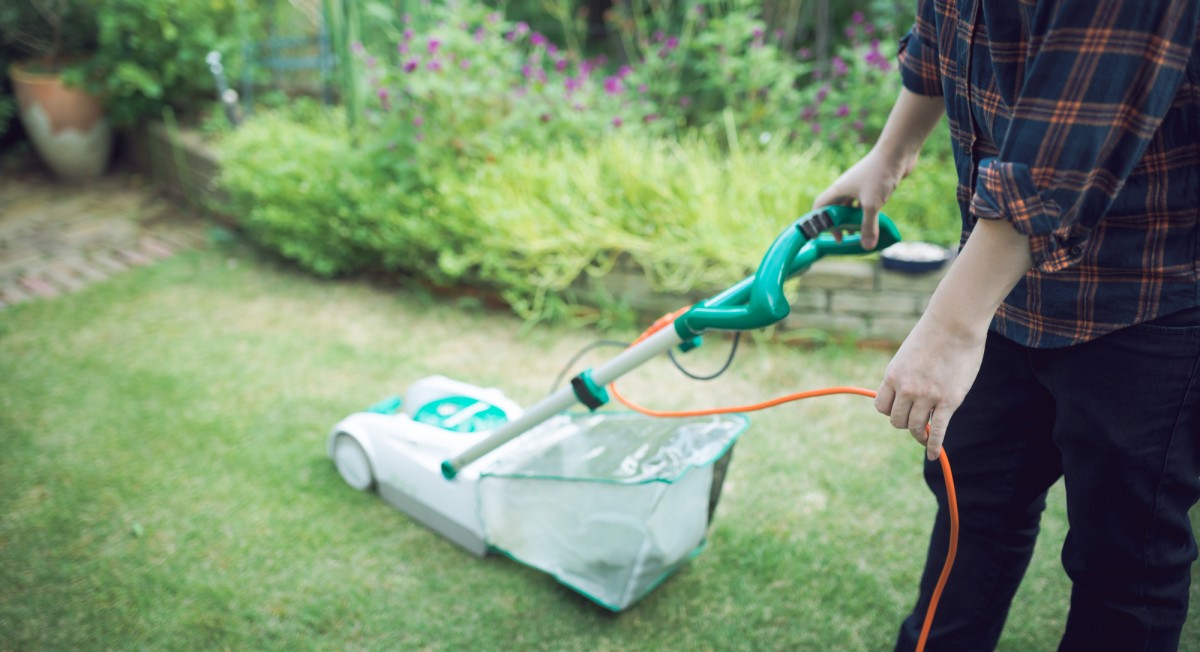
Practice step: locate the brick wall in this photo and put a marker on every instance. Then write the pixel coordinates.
(839, 297)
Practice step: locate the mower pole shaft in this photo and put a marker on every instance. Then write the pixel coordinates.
(626, 361)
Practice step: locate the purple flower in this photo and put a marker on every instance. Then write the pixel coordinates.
(418, 121)
(551, 49)
(868, 29)
(822, 93)
(493, 17)
(816, 127)
(804, 53)
(808, 113)
(408, 34)
(685, 101)
(560, 65)
(857, 18)
(672, 43)
(857, 126)
(402, 48)
(843, 110)
(464, 64)
(434, 44)
(571, 84)
(624, 72)
(758, 32)
(642, 88)
(613, 86)
(480, 34)
(545, 117)
(839, 66)
(411, 65)
(658, 36)
(850, 32)
(526, 71)
(434, 65)
(617, 122)
(383, 99)
(537, 40)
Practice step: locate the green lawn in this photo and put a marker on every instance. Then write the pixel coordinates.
(164, 484)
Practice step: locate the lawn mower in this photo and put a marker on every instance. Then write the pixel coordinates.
(609, 503)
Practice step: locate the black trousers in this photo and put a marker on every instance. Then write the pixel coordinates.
(1118, 419)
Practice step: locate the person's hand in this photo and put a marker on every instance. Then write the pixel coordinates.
(928, 378)
(867, 184)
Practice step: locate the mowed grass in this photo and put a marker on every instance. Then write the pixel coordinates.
(164, 484)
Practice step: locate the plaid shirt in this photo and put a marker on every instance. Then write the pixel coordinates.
(1079, 123)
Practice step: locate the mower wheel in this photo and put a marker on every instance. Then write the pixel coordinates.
(352, 462)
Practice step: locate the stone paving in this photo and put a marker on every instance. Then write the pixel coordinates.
(57, 238)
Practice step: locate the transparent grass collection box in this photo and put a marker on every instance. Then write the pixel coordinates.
(610, 504)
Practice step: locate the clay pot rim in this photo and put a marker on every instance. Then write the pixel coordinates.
(19, 71)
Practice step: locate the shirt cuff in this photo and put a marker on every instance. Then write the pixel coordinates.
(1006, 191)
(918, 65)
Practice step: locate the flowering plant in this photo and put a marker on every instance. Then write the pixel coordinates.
(849, 103)
(708, 58)
(476, 84)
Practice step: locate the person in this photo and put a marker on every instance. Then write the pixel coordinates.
(1064, 340)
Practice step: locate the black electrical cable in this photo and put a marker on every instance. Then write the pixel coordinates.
(737, 336)
(594, 345)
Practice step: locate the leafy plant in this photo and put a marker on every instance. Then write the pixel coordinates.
(298, 190)
(849, 103)
(50, 33)
(701, 60)
(150, 53)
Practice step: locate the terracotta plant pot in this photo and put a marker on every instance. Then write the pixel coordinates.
(67, 125)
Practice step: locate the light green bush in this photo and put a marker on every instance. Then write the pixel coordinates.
(299, 190)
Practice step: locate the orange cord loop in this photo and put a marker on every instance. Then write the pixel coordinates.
(668, 319)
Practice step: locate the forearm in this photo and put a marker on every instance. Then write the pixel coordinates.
(908, 126)
(990, 264)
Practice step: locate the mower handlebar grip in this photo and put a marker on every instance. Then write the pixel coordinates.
(759, 300)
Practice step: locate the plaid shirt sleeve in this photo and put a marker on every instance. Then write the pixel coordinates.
(919, 55)
(1098, 82)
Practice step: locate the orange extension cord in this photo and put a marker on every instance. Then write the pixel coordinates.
(952, 499)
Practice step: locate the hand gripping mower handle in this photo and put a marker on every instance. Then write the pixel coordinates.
(755, 302)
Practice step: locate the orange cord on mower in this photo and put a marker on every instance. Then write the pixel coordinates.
(951, 497)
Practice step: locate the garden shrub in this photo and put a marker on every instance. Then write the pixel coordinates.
(300, 190)
(150, 53)
(693, 216)
(487, 155)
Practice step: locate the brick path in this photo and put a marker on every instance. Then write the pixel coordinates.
(57, 238)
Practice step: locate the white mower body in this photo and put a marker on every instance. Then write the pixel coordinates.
(610, 504)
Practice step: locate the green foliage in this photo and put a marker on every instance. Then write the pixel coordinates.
(849, 103)
(150, 53)
(8, 109)
(531, 221)
(486, 155)
(50, 31)
(698, 60)
(298, 189)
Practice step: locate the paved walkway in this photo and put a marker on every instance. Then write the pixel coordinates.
(57, 238)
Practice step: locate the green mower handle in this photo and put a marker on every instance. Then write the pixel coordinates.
(758, 301)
